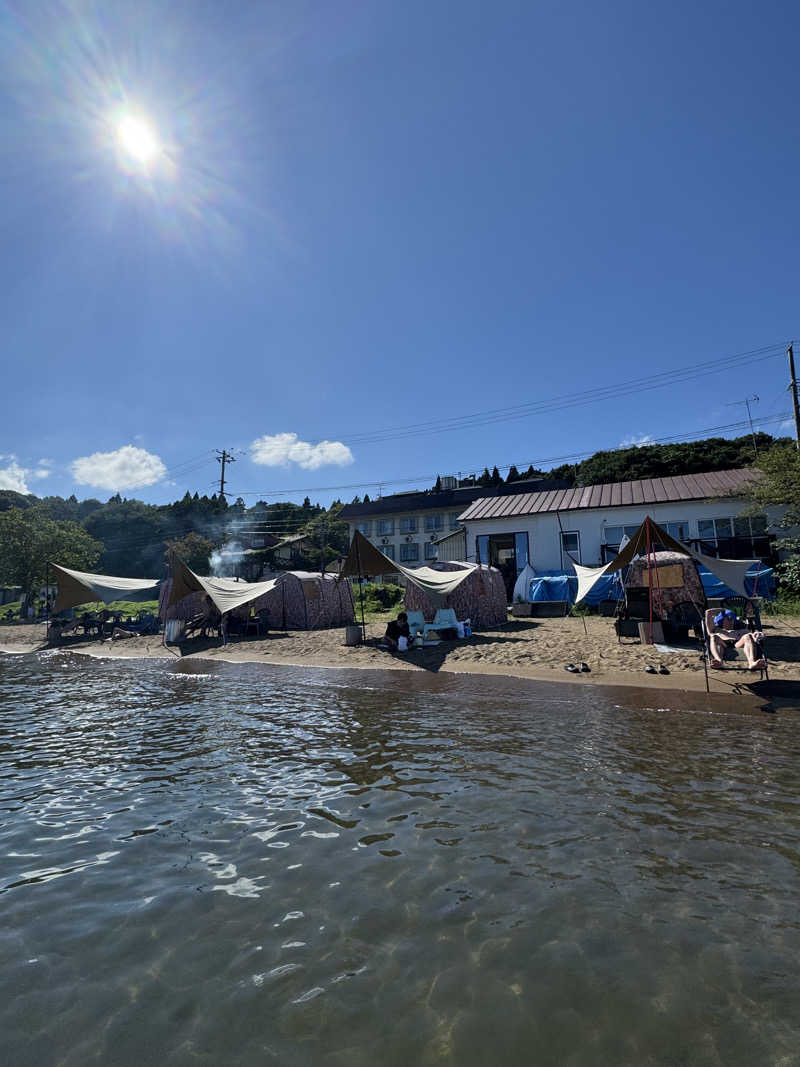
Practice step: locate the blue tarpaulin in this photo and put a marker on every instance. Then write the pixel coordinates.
(562, 585)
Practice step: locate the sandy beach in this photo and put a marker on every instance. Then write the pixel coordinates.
(524, 648)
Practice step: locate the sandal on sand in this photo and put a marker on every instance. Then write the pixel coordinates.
(585, 668)
(662, 669)
(650, 669)
(759, 665)
(717, 664)
(572, 668)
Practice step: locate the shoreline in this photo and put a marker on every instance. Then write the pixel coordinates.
(542, 648)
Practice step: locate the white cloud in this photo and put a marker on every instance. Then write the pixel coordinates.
(13, 476)
(281, 449)
(42, 472)
(637, 441)
(126, 468)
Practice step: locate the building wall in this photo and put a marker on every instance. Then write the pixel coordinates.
(394, 541)
(544, 530)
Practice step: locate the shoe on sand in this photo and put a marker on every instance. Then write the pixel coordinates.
(585, 668)
(650, 669)
(572, 668)
(662, 669)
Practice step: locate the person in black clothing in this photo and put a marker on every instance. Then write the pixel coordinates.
(397, 628)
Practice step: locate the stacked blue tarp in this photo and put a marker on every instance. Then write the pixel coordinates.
(563, 585)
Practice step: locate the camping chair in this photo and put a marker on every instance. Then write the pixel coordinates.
(686, 616)
(745, 608)
(731, 652)
(258, 622)
(444, 619)
(416, 622)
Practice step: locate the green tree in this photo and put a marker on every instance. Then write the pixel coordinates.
(779, 487)
(195, 551)
(30, 540)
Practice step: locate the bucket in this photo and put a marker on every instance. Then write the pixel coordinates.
(352, 634)
(402, 644)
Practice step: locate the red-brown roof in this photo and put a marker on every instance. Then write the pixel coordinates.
(615, 495)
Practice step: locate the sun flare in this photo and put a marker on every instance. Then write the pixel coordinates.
(137, 138)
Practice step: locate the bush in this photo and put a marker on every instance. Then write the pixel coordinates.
(378, 599)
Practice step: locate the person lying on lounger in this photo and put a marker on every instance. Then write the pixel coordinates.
(732, 631)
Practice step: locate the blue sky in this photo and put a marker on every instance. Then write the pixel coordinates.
(360, 217)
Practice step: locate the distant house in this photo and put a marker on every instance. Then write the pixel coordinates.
(291, 549)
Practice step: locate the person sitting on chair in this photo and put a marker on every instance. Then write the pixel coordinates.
(732, 631)
(396, 629)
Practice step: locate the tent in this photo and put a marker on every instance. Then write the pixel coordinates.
(301, 600)
(438, 585)
(644, 542)
(296, 600)
(78, 587)
(480, 595)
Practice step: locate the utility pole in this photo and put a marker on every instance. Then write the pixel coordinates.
(224, 457)
(748, 400)
(793, 387)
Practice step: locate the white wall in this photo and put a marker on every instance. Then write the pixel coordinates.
(396, 539)
(543, 530)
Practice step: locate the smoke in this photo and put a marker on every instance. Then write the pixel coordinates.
(224, 560)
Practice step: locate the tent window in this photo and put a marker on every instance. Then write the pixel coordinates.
(408, 525)
(409, 553)
(385, 526)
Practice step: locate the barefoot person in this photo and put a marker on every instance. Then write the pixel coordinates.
(731, 631)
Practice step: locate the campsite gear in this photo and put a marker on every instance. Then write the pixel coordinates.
(402, 644)
(745, 609)
(572, 668)
(77, 587)
(416, 622)
(467, 628)
(352, 634)
(651, 633)
(731, 652)
(418, 641)
(174, 631)
(460, 629)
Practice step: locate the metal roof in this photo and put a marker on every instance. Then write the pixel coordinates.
(447, 499)
(615, 495)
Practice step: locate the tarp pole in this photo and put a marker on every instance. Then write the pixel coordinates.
(361, 594)
(47, 599)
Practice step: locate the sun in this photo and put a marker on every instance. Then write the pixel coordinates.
(137, 138)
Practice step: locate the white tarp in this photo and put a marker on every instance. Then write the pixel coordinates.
(79, 587)
(226, 593)
(730, 571)
(365, 560)
(522, 586)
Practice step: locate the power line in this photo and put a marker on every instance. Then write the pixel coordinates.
(572, 457)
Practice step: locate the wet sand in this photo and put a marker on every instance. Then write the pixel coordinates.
(524, 648)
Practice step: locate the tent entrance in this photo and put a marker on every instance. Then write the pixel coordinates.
(507, 552)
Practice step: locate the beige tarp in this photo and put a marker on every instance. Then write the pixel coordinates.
(77, 587)
(366, 561)
(730, 571)
(226, 593)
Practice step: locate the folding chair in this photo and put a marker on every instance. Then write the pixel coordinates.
(444, 619)
(731, 652)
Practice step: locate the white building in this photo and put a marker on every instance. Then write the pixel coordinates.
(586, 525)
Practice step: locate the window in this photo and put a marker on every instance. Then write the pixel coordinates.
(431, 550)
(433, 522)
(388, 550)
(454, 523)
(408, 525)
(678, 530)
(570, 547)
(385, 526)
(364, 527)
(612, 535)
(409, 553)
(712, 529)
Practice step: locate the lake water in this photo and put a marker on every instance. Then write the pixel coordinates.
(220, 864)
